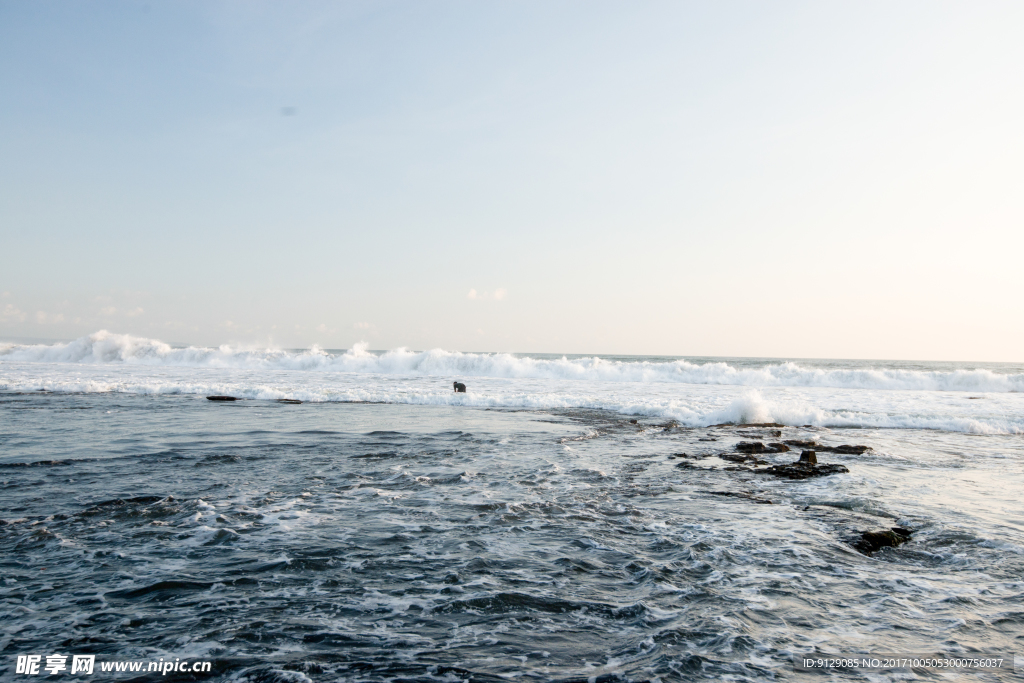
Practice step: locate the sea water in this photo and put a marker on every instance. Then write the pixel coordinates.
(568, 518)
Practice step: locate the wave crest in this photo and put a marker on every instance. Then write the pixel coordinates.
(104, 347)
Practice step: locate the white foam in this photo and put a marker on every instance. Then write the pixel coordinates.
(106, 348)
(693, 395)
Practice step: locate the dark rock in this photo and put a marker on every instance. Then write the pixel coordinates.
(815, 446)
(742, 494)
(873, 541)
(758, 447)
(290, 401)
(118, 502)
(632, 422)
(460, 388)
(221, 398)
(750, 424)
(105, 507)
(849, 450)
(800, 471)
(808, 458)
(742, 457)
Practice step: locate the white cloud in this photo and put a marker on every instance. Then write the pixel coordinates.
(496, 295)
(363, 326)
(11, 313)
(44, 318)
(110, 309)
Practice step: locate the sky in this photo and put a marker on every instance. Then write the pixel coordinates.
(787, 179)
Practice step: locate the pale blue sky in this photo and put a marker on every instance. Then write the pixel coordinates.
(785, 179)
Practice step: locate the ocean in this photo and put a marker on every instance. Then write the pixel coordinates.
(568, 518)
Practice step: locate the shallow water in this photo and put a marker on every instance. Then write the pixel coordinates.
(387, 529)
(348, 541)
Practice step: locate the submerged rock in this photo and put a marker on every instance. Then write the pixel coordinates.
(291, 401)
(221, 398)
(849, 450)
(845, 449)
(873, 541)
(742, 494)
(743, 457)
(749, 424)
(799, 470)
(758, 447)
(797, 443)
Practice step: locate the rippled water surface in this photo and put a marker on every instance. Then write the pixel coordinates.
(386, 542)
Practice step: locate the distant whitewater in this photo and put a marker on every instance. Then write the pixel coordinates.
(106, 348)
(694, 392)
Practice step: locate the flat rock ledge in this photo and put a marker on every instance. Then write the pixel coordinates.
(845, 449)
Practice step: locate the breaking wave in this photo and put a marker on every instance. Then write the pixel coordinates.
(748, 407)
(106, 348)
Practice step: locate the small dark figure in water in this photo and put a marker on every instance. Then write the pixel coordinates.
(460, 388)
